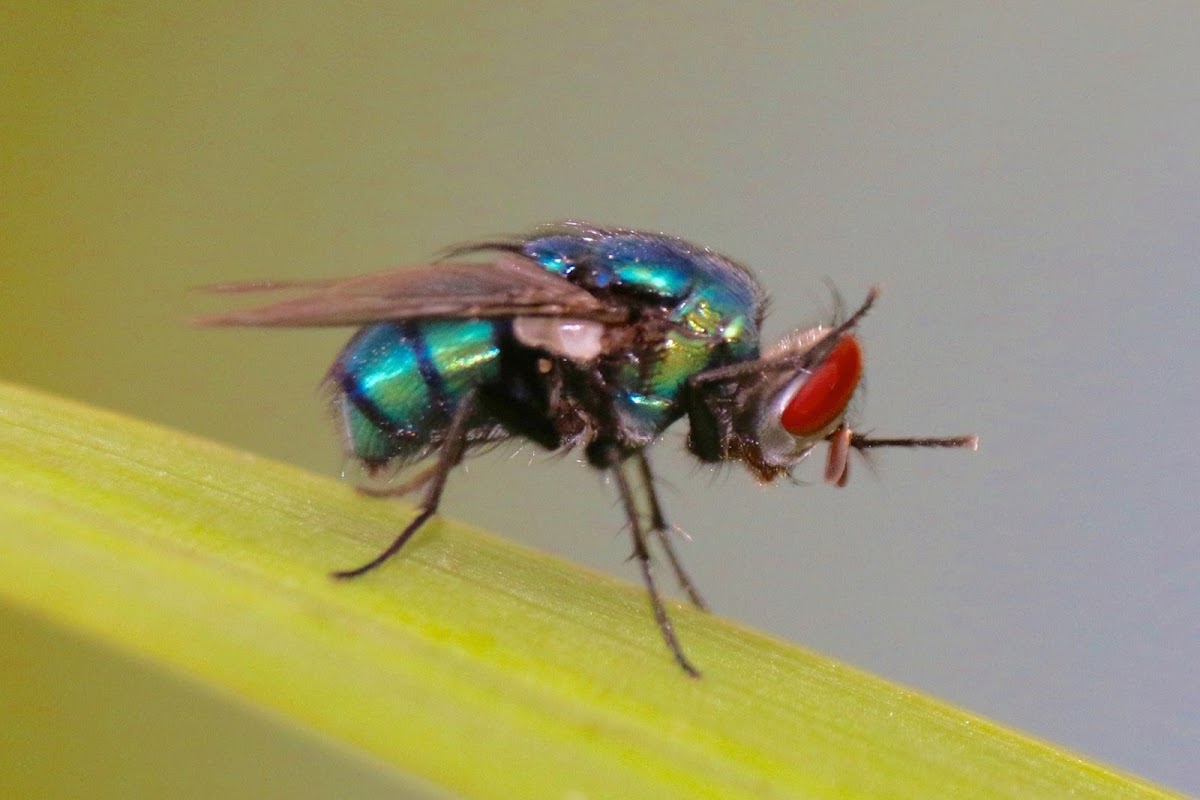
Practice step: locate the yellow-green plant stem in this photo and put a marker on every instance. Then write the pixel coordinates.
(468, 661)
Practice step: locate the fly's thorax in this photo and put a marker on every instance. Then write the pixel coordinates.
(689, 309)
(663, 353)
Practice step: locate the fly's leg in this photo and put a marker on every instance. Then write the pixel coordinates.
(411, 485)
(863, 442)
(642, 553)
(658, 525)
(450, 454)
(843, 440)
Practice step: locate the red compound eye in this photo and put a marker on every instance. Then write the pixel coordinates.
(824, 396)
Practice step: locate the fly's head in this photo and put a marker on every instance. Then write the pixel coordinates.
(770, 413)
(797, 406)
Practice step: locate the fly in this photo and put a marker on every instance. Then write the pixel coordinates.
(578, 336)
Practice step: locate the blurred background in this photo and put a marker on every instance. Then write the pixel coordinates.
(1024, 180)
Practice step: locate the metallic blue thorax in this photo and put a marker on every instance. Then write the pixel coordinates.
(714, 303)
(398, 383)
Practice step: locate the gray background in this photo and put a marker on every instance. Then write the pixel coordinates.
(1023, 181)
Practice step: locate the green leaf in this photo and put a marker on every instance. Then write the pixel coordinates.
(467, 662)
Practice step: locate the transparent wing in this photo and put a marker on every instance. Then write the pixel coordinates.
(508, 285)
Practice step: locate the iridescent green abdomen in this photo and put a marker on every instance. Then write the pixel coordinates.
(398, 383)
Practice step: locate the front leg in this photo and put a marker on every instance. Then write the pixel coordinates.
(860, 441)
(843, 439)
(658, 526)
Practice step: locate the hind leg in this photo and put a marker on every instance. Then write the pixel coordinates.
(448, 457)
